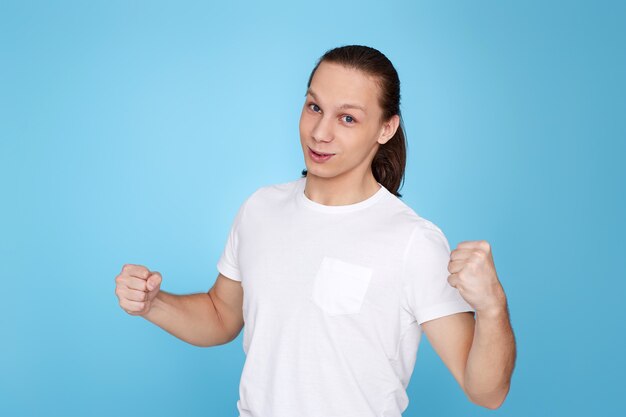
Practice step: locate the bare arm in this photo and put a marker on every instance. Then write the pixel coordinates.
(491, 359)
(203, 319)
(479, 353)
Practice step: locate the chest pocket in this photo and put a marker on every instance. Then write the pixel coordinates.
(340, 287)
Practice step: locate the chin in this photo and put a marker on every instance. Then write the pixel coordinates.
(312, 170)
(320, 173)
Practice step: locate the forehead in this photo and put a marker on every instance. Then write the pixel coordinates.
(337, 85)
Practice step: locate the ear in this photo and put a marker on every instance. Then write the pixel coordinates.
(389, 129)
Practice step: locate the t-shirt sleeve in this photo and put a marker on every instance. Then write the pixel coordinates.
(228, 263)
(428, 293)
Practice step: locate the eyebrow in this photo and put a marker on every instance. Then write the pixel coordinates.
(343, 106)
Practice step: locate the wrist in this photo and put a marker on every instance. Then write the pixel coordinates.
(493, 312)
(156, 306)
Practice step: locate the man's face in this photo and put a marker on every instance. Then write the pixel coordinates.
(340, 116)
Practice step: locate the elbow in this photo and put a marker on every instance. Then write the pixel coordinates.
(492, 405)
(491, 401)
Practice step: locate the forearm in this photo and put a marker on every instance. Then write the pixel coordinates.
(192, 318)
(491, 359)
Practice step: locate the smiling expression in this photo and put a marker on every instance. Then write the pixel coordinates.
(341, 116)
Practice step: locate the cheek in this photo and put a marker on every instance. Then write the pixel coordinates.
(301, 128)
(359, 145)
(305, 123)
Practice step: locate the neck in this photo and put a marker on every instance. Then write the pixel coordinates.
(340, 191)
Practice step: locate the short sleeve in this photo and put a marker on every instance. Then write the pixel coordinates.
(228, 263)
(427, 291)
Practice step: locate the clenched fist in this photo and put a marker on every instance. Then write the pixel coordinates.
(135, 287)
(473, 273)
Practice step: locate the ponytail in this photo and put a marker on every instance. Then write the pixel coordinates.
(389, 162)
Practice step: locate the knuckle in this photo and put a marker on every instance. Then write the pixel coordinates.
(485, 245)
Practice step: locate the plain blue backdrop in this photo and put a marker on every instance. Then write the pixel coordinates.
(132, 131)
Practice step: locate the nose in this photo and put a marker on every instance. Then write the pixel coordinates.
(322, 131)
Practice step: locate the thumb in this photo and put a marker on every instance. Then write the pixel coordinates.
(154, 280)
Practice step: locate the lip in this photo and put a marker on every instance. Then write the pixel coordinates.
(321, 153)
(317, 158)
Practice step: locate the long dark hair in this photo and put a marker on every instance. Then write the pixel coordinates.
(390, 159)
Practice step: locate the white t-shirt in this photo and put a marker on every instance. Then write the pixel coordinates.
(333, 301)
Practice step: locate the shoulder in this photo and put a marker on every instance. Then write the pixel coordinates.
(403, 214)
(263, 201)
(420, 232)
(272, 194)
(427, 241)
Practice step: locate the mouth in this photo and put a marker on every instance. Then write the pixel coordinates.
(320, 156)
(321, 153)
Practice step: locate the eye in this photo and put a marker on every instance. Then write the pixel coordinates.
(314, 107)
(348, 119)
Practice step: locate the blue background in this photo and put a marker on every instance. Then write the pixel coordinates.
(132, 131)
